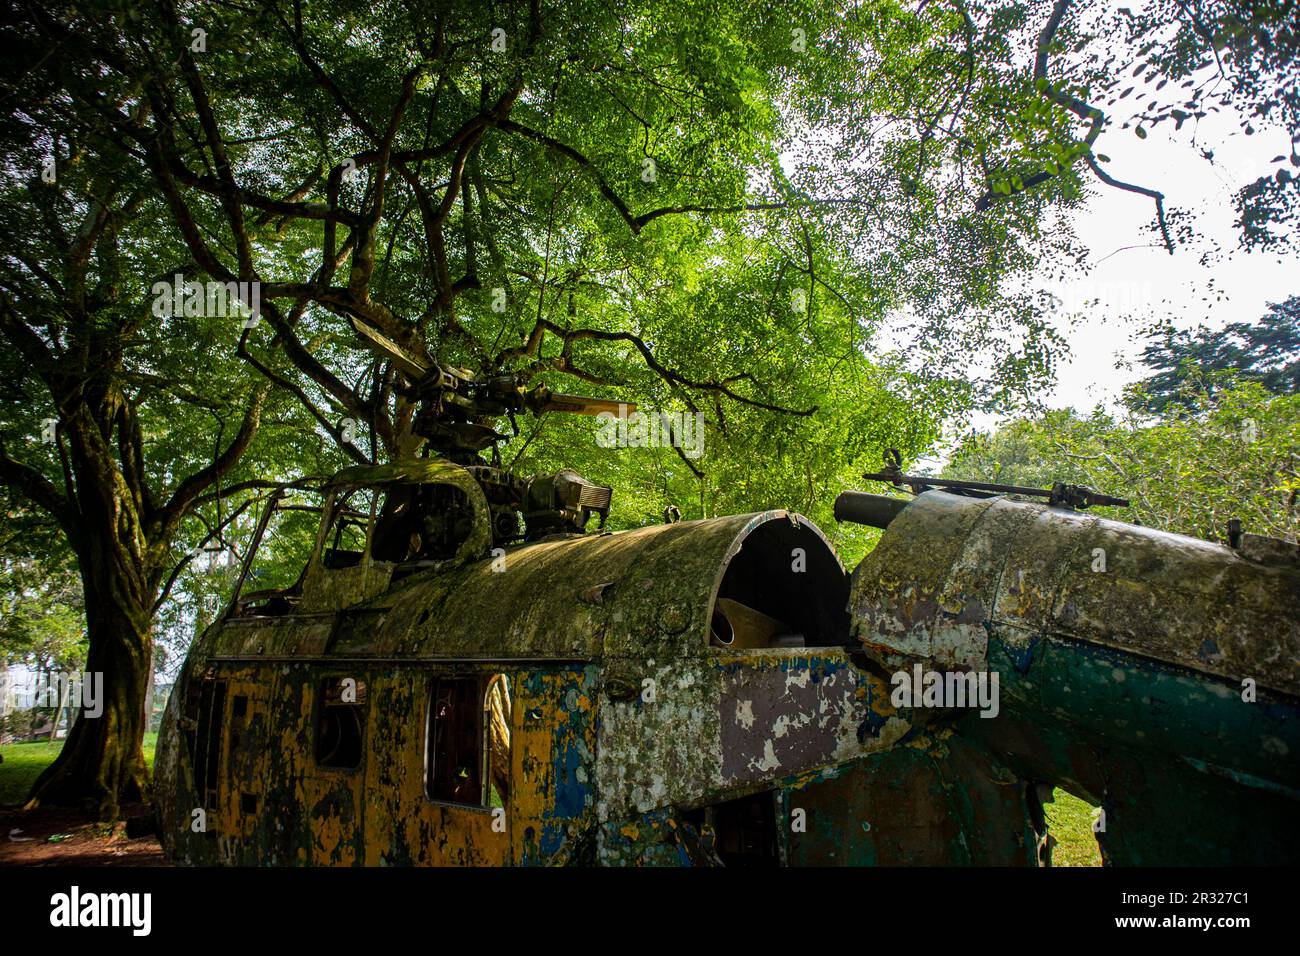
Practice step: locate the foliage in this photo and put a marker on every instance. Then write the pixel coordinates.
(24, 762)
(1070, 821)
(1187, 472)
(1183, 60)
(1191, 364)
(635, 185)
(41, 616)
(807, 223)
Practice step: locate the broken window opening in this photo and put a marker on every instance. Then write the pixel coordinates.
(743, 830)
(422, 524)
(205, 710)
(270, 581)
(341, 723)
(238, 717)
(467, 744)
(350, 520)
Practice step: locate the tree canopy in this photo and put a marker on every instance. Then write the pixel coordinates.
(1236, 456)
(1189, 365)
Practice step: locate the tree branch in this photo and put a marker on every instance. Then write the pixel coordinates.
(1096, 119)
(182, 500)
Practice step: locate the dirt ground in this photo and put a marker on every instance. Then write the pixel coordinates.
(25, 840)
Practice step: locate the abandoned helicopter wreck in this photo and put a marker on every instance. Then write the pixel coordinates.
(466, 674)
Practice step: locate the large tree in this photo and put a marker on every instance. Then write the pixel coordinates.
(1188, 366)
(131, 436)
(398, 166)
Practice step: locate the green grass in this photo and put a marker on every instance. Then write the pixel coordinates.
(24, 762)
(1069, 820)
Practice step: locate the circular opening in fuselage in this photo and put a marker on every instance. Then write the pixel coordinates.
(785, 587)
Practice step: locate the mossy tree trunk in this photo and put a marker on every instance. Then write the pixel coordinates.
(102, 762)
(121, 531)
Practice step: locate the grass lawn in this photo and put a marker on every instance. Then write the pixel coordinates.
(23, 763)
(1069, 819)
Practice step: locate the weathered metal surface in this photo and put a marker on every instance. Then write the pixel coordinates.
(329, 590)
(624, 716)
(634, 739)
(949, 568)
(632, 593)
(724, 725)
(938, 800)
(779, 714)
(1136, 668)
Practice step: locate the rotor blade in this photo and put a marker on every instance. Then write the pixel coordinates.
(578, 405)
(390, 350)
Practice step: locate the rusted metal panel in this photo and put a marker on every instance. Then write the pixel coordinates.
(781, 713)
(661, 751)
(724, 725)
(938, 800)
(403, 826)
(948, 567)
(1135, 667)
(631, 594)
(298, 636)
(634, 593)
(554, 767)
(901, 599)
(330, 590)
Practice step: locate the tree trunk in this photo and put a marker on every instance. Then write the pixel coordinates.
(58, 714)
(102, 762)
(148, 691)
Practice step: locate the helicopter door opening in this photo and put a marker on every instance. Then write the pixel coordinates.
(745, 832)
(784, 588)
(467, 741)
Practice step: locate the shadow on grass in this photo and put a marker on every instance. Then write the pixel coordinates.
(60, 836)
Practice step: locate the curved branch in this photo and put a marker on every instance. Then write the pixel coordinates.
(569, 336)
(182, 500)
(1096, 119)
(39, 490)
(294, 389)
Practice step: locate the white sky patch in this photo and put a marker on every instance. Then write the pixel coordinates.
(1131, 282)
(1105, 345)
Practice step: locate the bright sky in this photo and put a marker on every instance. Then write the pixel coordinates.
(1145, 284)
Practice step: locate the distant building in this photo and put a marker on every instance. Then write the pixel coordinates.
(17, 688)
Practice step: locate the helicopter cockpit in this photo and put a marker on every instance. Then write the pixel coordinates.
(381, 523)
(378, 523)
